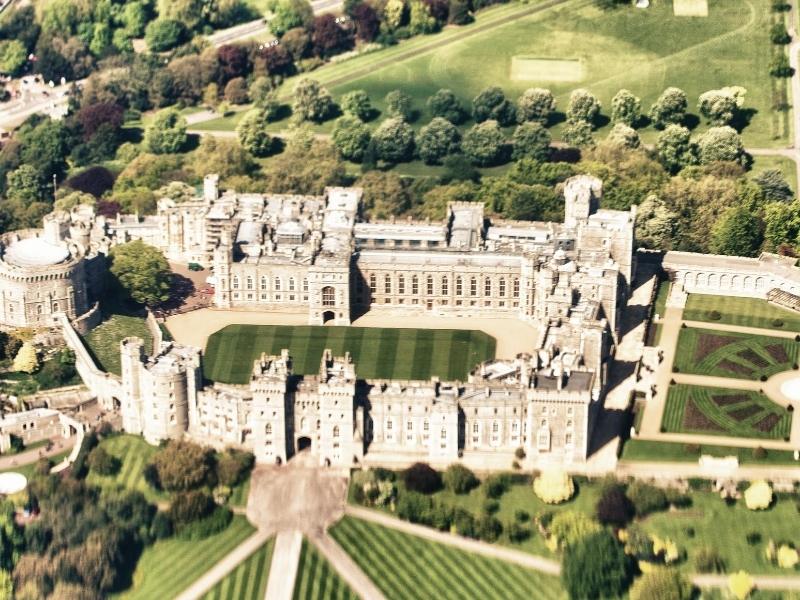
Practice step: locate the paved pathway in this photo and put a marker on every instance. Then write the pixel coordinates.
(523, 559)
(223, 567)
(794, 48)
(346, 567)
(283, 569)
(669, 471)
(31, 456)
(716, 326)
(762, 582)
(670, 330)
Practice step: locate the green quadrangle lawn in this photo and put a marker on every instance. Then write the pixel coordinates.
(103, 341)
(406, 566)
(378, 353)
(719, 411)
(748, 312)
(644, 51)
(248, 581)
(133, 453)
(735, 355)
(316, 579)
(651, 450)
(170, 566)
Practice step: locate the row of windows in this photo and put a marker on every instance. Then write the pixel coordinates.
(263, 297)
(463, 286)
(277, 284)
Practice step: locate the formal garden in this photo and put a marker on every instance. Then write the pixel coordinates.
(719, 411)
(735, 355)
(745, 312)
(658, 451)
(316, 579)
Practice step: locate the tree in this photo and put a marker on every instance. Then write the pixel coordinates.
(188, 506)
(276, 60)
(297, 43)
(222, 156)
(485, 144)
(142, 271)
(421, 21)
(459, 12)
(774, 186)
(351, 137)
(27, 359)
(437, 139)
(781, 224)
(535, 104)
(720, 144)
(625, 108)
(609, 4)
(421, 478)
(232, 466)
(779, 35)
(27, 185)
(554, 486)
(312, 102)
(182, 465)
(368, 23)
(740, 584)
(445, 104)
(718, 106)
(398, 104)
(165, 34)
(167, 132)
(675, 148)
(394, 140)
(393, 12)
(737, 233)
(458, 479)
(758, 496)
(327, 37)
(583, 106)
(531, 140)
(569, 527)
(236, 91)
(646, 498)
(578, 134)
(779, 66)
(492, 104)
(596, 567)
(287, 14)
(92, 116)
(669, 108)
(6, 585)
(45, 146)
(13, 57)
(623, 136)
(614, 507)
(357, 103)
(384, 194)
(103, 463)
(664, 584)
(232, 62)
(252, 133)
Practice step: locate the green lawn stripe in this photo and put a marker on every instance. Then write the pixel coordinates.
(404, 354)
(355, 338)
(369, 348)
(384, 368)
(423, 353)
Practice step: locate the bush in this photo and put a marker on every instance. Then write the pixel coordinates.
(489, 528)
(691, 448)
(495, 486)
(459, 479)
(463, 523)
(758, 496)
(161, 527)
(759, 453)
(777, 323)
(164, 34)
(554, 487)
(708, 560)
(753, 538)
(414, 507)
(714, 315)
(662, 584)
(420, 477)
(646, 498)
(596, 567)
(217, 521)
(519, 453)
(491, 506)
(740, 585)
(150, 474)
(614, 507)
(190, 506)
(103, 463)
(517, 533)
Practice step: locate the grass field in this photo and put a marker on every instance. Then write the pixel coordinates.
(719, 411)
(748, 312)
(170, 566)
(650, 450)
(29, 469)
(378, 353)
(133, 453)
(103, 341)
(405, 566)
(641, 50)
(736, 355)
(316, 579)
(248, 581)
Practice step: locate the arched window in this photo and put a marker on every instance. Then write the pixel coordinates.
(475, 427)
(487, 287)
(401, 284)
(444, 286)
(268, 429)
(335, 431)
(473, 287)
(429, 285)
(495, 427)
(39, 309)
(236, 282)
(291, 284)
(249, 283)
(444, 433)
(277, 284)
(387, 284)
(55, 306)
(502, 288)
(303, 424)
(328, 296)
(263, 283)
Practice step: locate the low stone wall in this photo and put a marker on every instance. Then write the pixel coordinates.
(155, 331)
(105, 386)
(85, 323)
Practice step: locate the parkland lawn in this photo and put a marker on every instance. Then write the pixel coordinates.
(644, 51)
(248, 581)
(404, 566)
(317, 580)
(378, 353)
(747, 312)
(170, 566)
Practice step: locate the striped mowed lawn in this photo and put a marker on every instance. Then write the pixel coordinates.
(747, 312)
(405, 566)
(316, 579)
(133, 453)
(378, 353)
(248, 581)
(169, 566)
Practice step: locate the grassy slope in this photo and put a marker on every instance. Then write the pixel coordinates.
(377, 352)
(316, 579)
(103, 341)
(649, 450)
(248, 581)
(134, 453)
(748, 312)
(673, 420)
(691, 360)
(405, 566)
(170, 566)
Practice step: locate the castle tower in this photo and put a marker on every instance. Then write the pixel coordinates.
(338, 443)
(269, 421)
(211, 187)
(582, 195)
(132, 359)
(222, 259)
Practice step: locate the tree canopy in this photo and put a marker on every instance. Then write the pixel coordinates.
(142, 271)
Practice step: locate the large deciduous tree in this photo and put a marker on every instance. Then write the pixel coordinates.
(287, 14)
(675, 148)
(531, 140)
(252, 133)
(535, 104)
(167, 133)
(437, 139)
(670, 107)
(720, 144)
(312, 102)
(596, 567)
(626, 108)
(394, 140)
(446, 104)
(737, 232)
(351, 137)
(142, 271)
(583, 106)
(182, 465)
(492, 104)
(485, 144)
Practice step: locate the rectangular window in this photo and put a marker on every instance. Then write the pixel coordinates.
(430, 286)
(414, 286)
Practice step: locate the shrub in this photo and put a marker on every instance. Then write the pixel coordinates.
(661, 584)
(614, 507)
(777, 323)
(491, 506)
(759, 453)
(596, 567)
(420, 477)
(519, 453)
(753, 538)
(708, 560)
(489, 528)
(646, 498)
(413, 507)
(758, 496)
(190, 506)
(164, 34)
(787, 557)
(517, 533)
(217, 521)
(463, 523)
(103, 463)
(690, 532)
(522, 516)
(714, 315)
(459, 479)
(161, 527)
(569, 527)
(740, 584)
(554, 487)
(495, 486)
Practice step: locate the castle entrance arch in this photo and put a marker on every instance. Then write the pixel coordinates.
(328, 316)
(303, 443)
